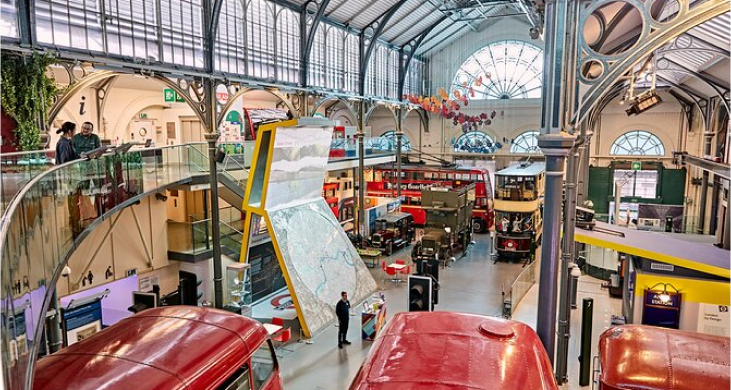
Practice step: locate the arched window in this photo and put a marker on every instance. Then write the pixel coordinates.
(388, 141)
(475, 142)
(637, 143)
(526, 142)
(508, 70)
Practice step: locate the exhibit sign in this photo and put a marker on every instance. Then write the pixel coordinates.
(661, 309)
(714, 319)
(81, 322)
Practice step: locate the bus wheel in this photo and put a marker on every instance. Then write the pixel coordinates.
(478, 225)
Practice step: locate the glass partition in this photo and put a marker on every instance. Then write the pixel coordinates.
(50, 216)
(17, 169)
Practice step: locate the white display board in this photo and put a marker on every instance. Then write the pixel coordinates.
(714, 319)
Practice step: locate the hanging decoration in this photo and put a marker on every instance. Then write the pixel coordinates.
(449, 108)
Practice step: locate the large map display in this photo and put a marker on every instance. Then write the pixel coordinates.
(314, 252)
(320, 260)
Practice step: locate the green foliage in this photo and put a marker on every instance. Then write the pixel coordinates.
(27, 95)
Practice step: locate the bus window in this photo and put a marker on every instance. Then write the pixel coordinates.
(262, 364)
(414, 201)
(238, 381)
(474, 177)
(428, 175)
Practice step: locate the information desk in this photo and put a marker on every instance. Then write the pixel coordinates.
(374, 318)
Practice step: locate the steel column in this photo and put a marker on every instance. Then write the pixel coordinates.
(399, 136)
(707, 145)
(215, 220)
(26, 23)
(308, 37)
(555, 144)
(361, 163)
(567, 258)
(714, 206)
(209, 113)
(366, 50)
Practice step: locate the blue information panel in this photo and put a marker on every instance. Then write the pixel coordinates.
(81, 322)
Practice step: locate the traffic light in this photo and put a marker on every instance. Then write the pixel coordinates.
(420, 293)
(188, 288)
(430, 268)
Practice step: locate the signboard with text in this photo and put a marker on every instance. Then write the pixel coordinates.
(714, 319)
(661, 309)
(81, 322)
(169, 95)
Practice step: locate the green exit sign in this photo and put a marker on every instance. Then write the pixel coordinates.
(171, 96)
(636, 165)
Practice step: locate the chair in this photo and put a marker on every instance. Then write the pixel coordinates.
(405, 271)
(390, 271)
(278, 321)
(401, 261)
(282, 337)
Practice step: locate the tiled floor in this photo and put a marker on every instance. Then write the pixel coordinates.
(473, 284)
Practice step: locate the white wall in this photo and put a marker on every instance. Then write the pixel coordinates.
(119, 244)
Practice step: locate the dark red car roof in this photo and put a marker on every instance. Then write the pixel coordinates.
(646, 357)
(175, 347)
(443, 350)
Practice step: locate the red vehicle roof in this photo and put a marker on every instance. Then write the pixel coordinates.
(650, 358)
(431, 168)
(174, 347)
(443, 350)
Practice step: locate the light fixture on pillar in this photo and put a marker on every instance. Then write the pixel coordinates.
(664, 295)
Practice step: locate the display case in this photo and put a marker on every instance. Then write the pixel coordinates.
(238, 289)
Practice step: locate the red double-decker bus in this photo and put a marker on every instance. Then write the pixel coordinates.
(415, 178)
(330, 194)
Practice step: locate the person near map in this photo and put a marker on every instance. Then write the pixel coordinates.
(342, 311)
(86, 141)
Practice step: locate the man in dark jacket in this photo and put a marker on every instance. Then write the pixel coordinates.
(65, 151)
(86, 141)
(342, 311)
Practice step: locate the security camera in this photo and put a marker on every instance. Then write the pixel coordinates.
(161, 197)
(535, 33)
(66, 271)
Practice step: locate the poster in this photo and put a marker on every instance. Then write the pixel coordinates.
(714, 319)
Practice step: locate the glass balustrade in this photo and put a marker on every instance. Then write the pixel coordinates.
(17, 169)
(50, 216)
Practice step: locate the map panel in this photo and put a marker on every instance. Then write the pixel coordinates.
(320, 260)
(298, 165)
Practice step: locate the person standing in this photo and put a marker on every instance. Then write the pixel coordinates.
(342, 311)
(86, 141)
(65, 151)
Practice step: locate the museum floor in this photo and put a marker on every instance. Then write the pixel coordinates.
(473, 284)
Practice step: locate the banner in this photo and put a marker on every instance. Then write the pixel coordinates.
(714, 319)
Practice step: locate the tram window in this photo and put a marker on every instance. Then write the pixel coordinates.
(238, 381)
(262, 364)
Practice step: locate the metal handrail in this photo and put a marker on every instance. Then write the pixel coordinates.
(13, 154)
(174, 166)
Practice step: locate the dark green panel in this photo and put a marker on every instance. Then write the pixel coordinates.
(600, 188)
(672, 186)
